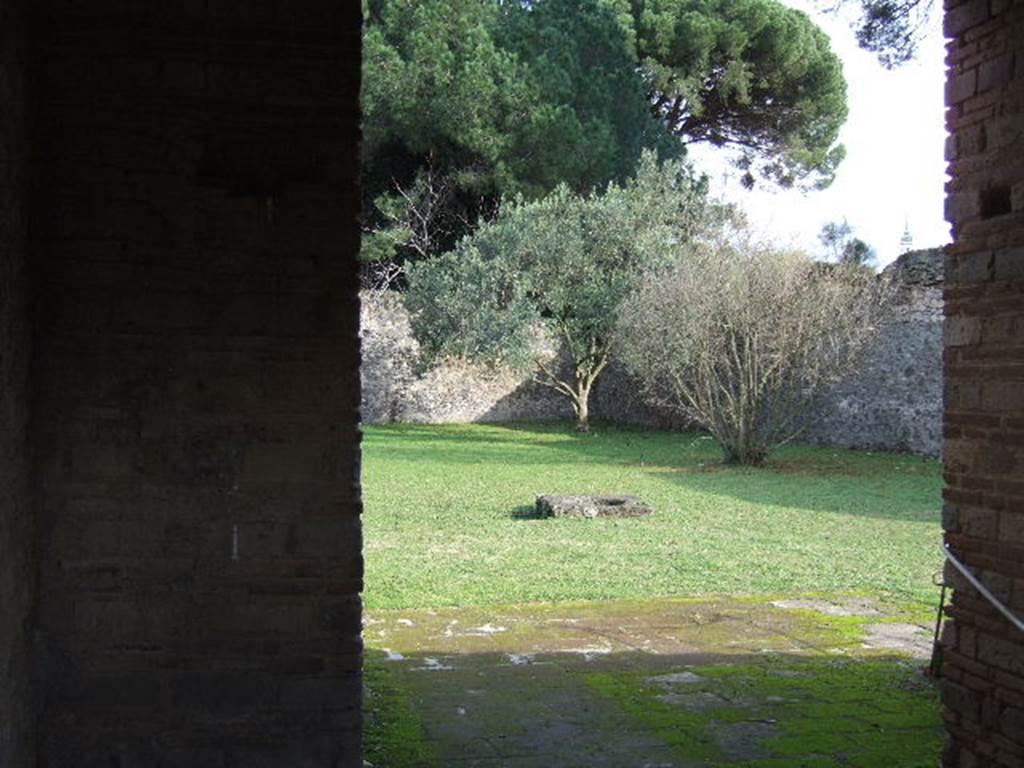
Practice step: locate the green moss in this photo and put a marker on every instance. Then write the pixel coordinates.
(846, 631)
(862, 712)
(682, 730)
(393, 735)
(803, 762)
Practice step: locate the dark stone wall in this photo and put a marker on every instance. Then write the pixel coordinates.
(983, 692)
(197, 383)
(894, 401)
(16, 531)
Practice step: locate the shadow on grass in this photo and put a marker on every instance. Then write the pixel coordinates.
(870, 484)
(519, 442)
(526, 512)
(576, 709)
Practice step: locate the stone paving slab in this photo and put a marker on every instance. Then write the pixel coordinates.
(660, 683)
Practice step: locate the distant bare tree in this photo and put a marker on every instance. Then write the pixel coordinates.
(378, 277)
(741, 338)
(414, 222)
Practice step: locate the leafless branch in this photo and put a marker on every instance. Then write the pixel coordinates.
(742, 338)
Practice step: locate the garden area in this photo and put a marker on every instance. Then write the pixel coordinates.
(768, 616)
(549, 273)
(450, 520)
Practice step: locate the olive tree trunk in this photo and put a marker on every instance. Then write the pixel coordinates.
(578, 388)
(581, 407)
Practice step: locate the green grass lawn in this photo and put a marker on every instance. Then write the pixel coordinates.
(445, 505)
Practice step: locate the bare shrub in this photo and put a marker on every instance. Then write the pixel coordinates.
(741, 338)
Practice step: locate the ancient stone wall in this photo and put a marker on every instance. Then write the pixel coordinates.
(894, 402)
(399, 387)
(983, 693)
(197, 383)
(16, 529)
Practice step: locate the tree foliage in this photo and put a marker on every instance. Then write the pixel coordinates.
(752, 75)
(741, 338)
(503, 98)
(565, 264)
(438, 96)
(500, 99)
(842, 247)
(891, 29)
(592, 121)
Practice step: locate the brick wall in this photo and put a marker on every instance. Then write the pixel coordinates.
(16, 532)
(197, 384)
(984, 420)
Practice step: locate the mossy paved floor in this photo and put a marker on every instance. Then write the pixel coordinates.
(769, 681)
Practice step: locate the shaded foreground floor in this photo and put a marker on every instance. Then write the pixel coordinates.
(666, 683)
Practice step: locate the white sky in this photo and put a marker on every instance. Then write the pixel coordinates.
(894, 169)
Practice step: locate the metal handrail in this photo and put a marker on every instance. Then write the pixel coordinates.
(1013, 618)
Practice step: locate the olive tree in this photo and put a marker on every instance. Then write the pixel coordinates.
(741, 338)
(563, 264)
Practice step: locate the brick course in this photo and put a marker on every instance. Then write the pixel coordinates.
(984, 366)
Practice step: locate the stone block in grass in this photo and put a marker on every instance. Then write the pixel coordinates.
(575, 505)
